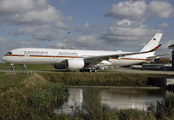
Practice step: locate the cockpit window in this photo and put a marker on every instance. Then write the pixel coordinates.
(9, 53)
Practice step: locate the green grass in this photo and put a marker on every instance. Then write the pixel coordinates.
(8, 81)
(3, 76)
(40, 67)
(20, 84)
(7, 66)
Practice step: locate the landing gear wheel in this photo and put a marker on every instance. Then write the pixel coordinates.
(13, 68)
(95, 70)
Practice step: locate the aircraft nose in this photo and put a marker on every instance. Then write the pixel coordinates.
(4, 58)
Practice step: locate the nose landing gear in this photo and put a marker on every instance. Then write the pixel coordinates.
(13, 67)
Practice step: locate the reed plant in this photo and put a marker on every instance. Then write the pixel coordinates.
(164, 109)
(39, 99)
(29, 96)
(98, 79)
(43, 101)
(131, 114)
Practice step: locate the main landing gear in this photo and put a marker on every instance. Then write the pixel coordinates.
(88, 70)
(26, 71)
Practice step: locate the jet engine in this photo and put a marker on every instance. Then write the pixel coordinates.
(60, 66)
(75, 64)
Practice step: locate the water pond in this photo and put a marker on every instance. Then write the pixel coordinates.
(115, 98)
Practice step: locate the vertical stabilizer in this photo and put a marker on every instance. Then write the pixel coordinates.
(152, 43)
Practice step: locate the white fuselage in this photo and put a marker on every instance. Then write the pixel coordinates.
(56, 56)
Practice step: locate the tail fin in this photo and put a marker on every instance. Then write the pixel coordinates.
(152, 43)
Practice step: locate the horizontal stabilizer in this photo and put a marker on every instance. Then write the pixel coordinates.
(157, 56)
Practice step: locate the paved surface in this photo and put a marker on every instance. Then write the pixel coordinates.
(123, 70)
(119, 70)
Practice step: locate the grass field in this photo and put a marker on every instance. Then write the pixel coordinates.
(38, 67)
(7, 66)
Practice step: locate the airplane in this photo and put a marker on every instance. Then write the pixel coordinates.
(83, 60)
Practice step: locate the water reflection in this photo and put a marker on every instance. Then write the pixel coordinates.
(115, 98)
(120, 98)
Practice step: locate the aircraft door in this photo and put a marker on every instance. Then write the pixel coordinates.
(135, 57)
(21, 53)
(54, 54)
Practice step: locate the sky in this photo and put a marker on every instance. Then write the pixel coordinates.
(125, 25)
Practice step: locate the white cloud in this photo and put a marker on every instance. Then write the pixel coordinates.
(62, 2)
(163, 26)
(127, 33)
(30, 12)
(127, 9)
(92, 27)
(29, 43)
(60, 45)
(37, 17)
(135, 9)
(46, 32)
(7, 45)
(9, 7)
(81, 28)
(143, 20)
(160, 9)
(88, 41)
(22, 31)
(128, 24)
(60, 25)
(166, 44)
(98, 24)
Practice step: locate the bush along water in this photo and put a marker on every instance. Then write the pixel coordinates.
(164, 109)
(43, 101)
(98, 79)
(38, 105)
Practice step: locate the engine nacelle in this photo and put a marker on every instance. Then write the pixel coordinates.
(75, 64)
(60, 66)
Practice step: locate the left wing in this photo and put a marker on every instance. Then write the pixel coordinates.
(98, 59)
